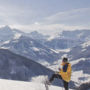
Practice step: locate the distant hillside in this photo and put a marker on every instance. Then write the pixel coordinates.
(16, 67)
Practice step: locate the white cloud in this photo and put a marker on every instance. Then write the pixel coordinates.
(22, 19)
(16, 15)
(71, 17)
(47, 28)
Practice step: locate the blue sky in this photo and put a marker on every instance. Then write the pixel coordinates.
(45, 15)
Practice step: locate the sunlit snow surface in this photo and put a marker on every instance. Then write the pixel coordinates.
(17, 85)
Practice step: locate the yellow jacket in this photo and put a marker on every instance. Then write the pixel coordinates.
(66, 76)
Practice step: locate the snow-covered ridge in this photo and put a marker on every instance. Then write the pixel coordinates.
(17, 36)
(86, 44)
(6, 42)
(17, 85)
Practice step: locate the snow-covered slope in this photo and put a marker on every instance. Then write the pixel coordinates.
(80, 51)
(61, 43)
(16, 85)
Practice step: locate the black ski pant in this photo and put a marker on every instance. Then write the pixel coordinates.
(59, 76)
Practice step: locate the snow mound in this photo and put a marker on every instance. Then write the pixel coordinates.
(17, 85)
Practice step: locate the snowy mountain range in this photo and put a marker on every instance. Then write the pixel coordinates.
(62, 43)
(27, 44)
(6, 33)
(32, 49)
(82, 35)
(39, 47)
(49, 50)
(68, 39)
(38, 36)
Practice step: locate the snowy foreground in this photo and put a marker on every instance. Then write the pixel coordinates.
(18, 85)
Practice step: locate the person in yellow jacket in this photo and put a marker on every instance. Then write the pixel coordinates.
(64, 73)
